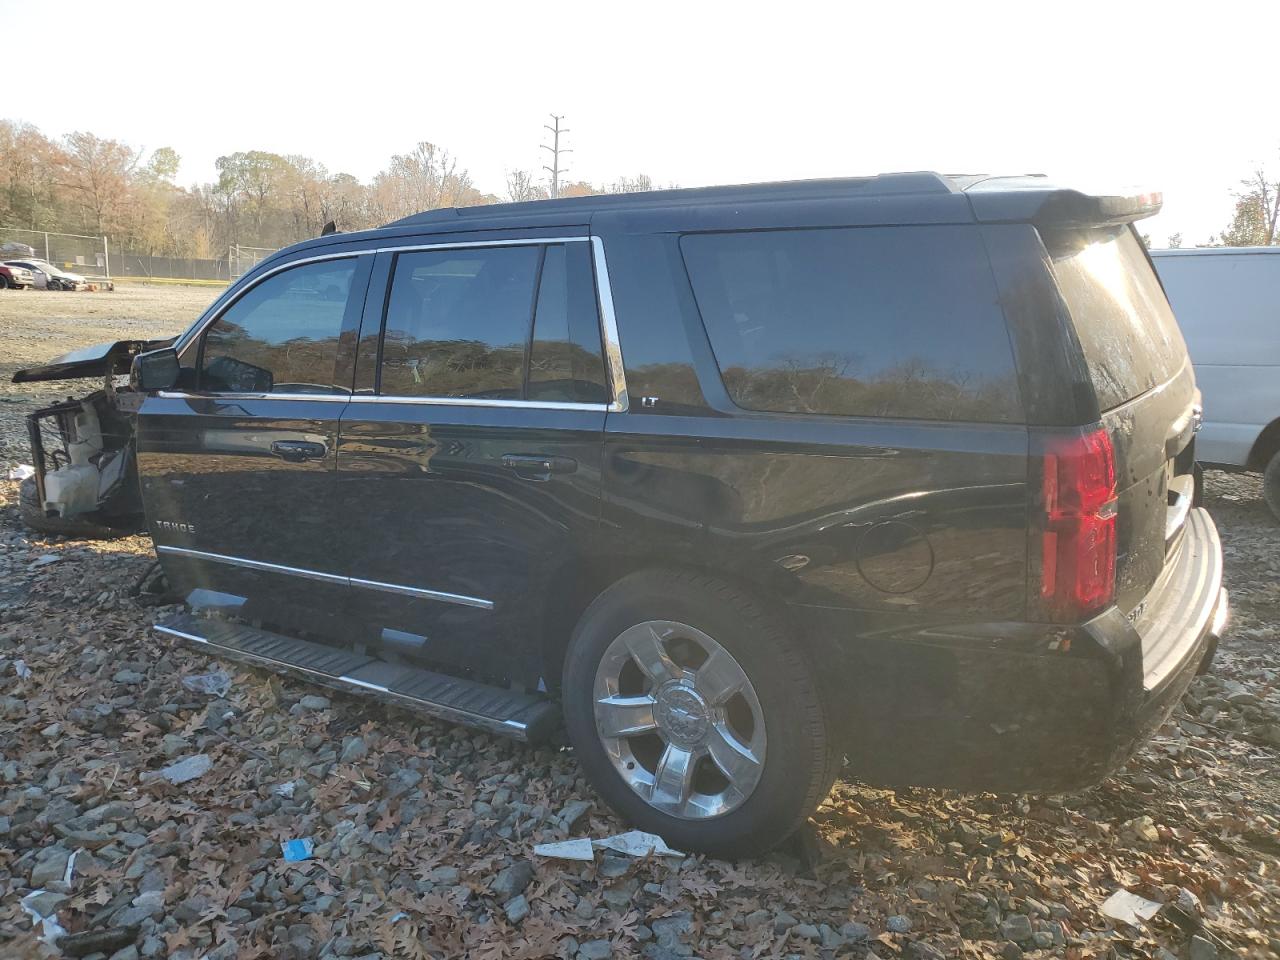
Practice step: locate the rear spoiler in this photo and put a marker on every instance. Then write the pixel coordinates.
(1037, 200)
(100, 360)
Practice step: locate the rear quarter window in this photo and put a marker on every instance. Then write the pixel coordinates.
(867, 321)
(1122, 318)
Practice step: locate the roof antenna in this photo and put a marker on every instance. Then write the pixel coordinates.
(329, 228)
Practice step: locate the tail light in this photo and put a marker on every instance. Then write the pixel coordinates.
(1077, 548)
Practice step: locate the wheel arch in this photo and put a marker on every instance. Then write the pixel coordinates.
(574, 585)
(1265, 446)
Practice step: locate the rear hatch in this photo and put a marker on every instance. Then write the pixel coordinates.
(1144, 387)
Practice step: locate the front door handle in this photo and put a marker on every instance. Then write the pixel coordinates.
(296, 451)
(536, 466)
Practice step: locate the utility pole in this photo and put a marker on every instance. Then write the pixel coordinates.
(555, 150)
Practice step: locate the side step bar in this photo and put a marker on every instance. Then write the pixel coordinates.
(522, 716)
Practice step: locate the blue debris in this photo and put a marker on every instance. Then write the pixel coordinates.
(295, 851)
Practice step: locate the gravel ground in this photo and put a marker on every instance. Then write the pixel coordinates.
(423, 833)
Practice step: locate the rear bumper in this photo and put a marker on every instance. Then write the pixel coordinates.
(1024, 707)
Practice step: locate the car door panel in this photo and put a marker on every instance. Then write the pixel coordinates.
(239, 486)
(462, 509)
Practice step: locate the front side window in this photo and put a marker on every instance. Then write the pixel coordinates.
(866, 321)
(282, 335)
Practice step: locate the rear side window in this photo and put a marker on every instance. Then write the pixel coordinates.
(1127, 331)
(515, 323)
(565, 362)
(868, 321)
(282, 335)
(458, 321)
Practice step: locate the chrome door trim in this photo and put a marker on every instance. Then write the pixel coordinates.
(262, 565)
(407, 591)
(608, 326)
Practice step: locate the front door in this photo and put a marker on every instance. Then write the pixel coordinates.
(237, 467)
(469, 475)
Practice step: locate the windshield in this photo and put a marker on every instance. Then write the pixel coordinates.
(1127, 331)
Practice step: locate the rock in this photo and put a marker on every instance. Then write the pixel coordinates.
(1142, 828)
(1202, 949)
(512, 880)
(517, 908)
(595, 950)
(898, 924)
(314, 702)
(782, 922)
(807, 931)
(126, 953)
(186, 770)
(573, 811)
(51, 866)
(100, 942)
(613, 867)
(171, 745)
(925, 951)
(1189, 902)
(130, 677)
(1017, 927)
(857, 932)
(668, 931)
(354, 750)
(46, 904)
(755, 919)
(1010, 951)
(1043, 939)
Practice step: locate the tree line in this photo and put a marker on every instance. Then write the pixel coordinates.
(83, 183)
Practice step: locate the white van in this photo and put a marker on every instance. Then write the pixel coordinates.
(1227, 300)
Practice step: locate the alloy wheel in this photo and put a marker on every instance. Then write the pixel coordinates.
(679, 719)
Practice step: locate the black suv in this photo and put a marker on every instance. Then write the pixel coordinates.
(739, 482)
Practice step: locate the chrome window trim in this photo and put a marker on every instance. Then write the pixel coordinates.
(262, 565)
(609, 328)
(387, 399)
(610, 341)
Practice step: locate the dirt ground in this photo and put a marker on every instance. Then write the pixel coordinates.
(423, 833)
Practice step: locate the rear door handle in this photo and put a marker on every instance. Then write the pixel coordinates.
(296, 451)
(537, 467)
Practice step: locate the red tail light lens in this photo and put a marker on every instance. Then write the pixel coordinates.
(1078, 541)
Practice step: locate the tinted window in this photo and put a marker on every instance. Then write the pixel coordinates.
(1127, 331)
(457, 322)
(282, 335)
(565, 360)
(879, 322)
(655, 316)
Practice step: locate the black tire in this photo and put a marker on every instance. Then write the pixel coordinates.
(1271, 485)
(4, 281)
(800, 762)
(33, 516)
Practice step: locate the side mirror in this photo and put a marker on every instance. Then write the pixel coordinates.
(155, 369)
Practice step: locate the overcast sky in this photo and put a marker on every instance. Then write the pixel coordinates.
(1177, 96)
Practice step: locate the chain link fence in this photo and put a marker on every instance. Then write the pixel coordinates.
(87, 256)
(96, 259)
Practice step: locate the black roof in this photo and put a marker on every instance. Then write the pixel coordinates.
(889, 198)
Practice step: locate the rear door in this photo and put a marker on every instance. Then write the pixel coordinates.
(237, 469)
(469, 473)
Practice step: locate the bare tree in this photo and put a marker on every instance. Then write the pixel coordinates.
(522, 186)
(1257, 213)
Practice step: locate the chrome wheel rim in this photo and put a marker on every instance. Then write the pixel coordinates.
(679, 719)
